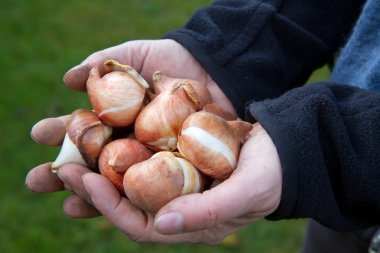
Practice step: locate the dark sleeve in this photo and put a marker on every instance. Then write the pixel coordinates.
(256, 49)
(328, 140)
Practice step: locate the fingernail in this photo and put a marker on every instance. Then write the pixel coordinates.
(32, 136)
(32, 132)
(86, 186)
(170, 223)
(85, 182)
(61, 176)
(27, 186)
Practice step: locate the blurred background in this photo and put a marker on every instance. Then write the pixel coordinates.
(40, 41)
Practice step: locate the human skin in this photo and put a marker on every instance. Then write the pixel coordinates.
(253, 190)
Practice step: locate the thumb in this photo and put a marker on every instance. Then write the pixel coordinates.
(126, 53)
(196, 212)
(252, 191)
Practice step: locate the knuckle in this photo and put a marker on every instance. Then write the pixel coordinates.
(211, 211)
(212, 217)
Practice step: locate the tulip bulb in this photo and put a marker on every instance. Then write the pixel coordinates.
(153, 183)
(117, 156)
(219, 111)
(211, 143)
(85, 137)
(158, 123)
(162, 82)
(118, 96)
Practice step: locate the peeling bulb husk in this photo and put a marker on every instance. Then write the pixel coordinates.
(118, 96)
(69, 153)
(195, 90)
(85, 137)
(216, 109)
(130, 70)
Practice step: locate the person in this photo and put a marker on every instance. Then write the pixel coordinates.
(314, 152)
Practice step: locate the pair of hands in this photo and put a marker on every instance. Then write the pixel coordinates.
(253, 191)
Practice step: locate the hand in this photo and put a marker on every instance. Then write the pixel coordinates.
(253, 191)
(146, 57)
(217, 213)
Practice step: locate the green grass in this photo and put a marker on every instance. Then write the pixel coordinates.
(40, 41)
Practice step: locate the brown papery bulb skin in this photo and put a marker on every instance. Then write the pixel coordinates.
(85, 137)
(79, 121)
(151, 184)
(89, 134)
(162, 82)
(117, 97)
(117, 156)
(209, 143)
(158, 123)
(216, 109)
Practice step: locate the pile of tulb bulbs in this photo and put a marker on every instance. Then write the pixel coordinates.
(153, 143)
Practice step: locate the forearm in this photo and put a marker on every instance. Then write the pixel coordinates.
(328, 140)
(256, 49)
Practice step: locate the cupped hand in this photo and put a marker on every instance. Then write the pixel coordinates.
(146, 56)
(252, 192)
(41, 179)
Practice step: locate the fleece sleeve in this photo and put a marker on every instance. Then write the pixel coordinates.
(328, 139)
(255, 49)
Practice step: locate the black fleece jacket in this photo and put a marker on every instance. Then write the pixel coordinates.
(327, 135)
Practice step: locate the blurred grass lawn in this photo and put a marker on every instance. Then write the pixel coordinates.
(40, 41)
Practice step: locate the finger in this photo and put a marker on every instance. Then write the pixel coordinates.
(76, 77)
(75, 207)
(136, 224)
(42, 180)
(50, 131)
(196, 212)
(116, 209)
(71, 175)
